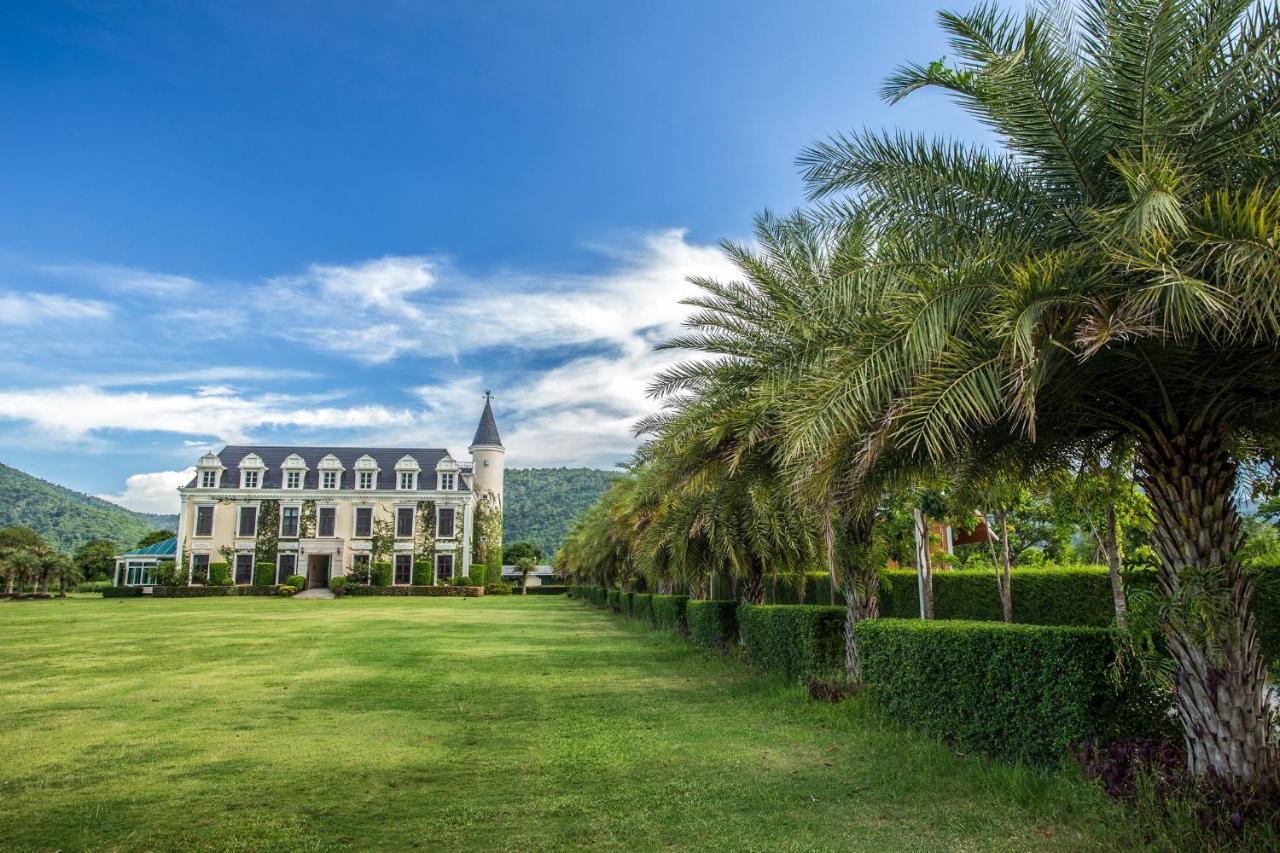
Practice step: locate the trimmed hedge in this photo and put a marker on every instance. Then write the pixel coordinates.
(642, 606)
(547, 589)
(122, 592)
(219, 574)
(212, 591)
(797, 641)
(614, 600)
(713, 624)
(440, 591)
(669, 612)
(624, 602)
(1027, 692)
(810, 588)
(264, 574)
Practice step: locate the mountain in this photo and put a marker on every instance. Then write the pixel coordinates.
(539, 504)
(69, 519)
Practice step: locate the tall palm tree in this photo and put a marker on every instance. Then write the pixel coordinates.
(1115, 267)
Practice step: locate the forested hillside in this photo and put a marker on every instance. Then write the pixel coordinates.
(69, 519)
(539, 504)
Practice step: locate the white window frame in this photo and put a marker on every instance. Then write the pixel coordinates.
(355, 515)
(395, 559)
(446, 481)
(195, 521)
(211, 475)
(373, 481)
(337, 480)
(279, 559)
(333, 533)
(255, 473)
(257, 519)
(453, 566)
(297, 532)
(412, 481)
(454, 535)
(294, 472)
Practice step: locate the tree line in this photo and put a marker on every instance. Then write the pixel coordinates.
(1085, 313)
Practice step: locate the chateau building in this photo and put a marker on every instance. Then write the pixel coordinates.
(321, 512)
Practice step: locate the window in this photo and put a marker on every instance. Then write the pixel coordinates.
(204, 521)
(404, 569)
(289, 521)
(293, 479)
(138, 573)
(208, 479)
(365, 480)
(244, 568)
(199, 568)
(248, 521)
(286, 565)
(444, 566)
(325, 518)
(404, 521)
(406, 481)
(360, 568)
(446, 482)
(364, 521)
(444, 523)
(329, 480)
(251, 479)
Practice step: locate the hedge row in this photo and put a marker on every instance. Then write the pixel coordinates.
(669, 612)
(713, 624)
(438, 591)
(797, 641)
(546, 589)
(642, 606)
(188, 591)
(1011, 691)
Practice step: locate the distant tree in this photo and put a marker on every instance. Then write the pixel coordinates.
(64, 570)
(96, 560)
(155, 537)
(525, 563)
(20, 550)
(518, 550)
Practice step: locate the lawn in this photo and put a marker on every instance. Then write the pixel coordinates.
(494, 723)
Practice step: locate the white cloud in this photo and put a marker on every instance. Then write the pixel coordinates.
(153, 492)
(76, 412)
(25, 308)
(125, 279)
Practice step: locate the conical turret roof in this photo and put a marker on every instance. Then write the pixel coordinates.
(487, 431)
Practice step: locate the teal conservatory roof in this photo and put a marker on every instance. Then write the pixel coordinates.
(167, 548)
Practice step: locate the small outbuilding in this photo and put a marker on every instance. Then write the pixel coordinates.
(137, 567)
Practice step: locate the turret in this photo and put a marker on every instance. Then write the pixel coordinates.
(487, 455)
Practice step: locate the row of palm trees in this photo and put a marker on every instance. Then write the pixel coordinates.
(29, 565)
(1101, 289)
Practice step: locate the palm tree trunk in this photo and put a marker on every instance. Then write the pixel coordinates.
(829, 540)
(1111, 544)
(1219, 678)
(1006, 567)
(754, 592)
(923, 569)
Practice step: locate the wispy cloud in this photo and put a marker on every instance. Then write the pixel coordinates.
(124, 279)
(26, 308)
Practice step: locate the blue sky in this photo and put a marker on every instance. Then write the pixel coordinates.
(319, 222)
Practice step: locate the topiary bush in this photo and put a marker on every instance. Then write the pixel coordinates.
(669, 612)
(713, 624)
(286, 589)
(797, 641)
(298, 582)
(497, 589)
(642, 606)
(219, 575)
(264, 574)
(338, 585)
(1028, 692)
(380, 574)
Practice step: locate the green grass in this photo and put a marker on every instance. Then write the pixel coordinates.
(495, 723)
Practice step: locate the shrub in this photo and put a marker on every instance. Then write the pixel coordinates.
(93, 586)
(219, 575)
(669, 612)
(165, 573)
(211, 591)
(1012, 691)
(337, 582)
(624, 602)
(797, 641)
(497, 589)
(642, 606)
(438, 591)
(380, 574)
(615, 601)
(548, 589)
(296, 581)
(264, 574)
(809, 588)
(286, 589)
(713, 624)
(122, 592)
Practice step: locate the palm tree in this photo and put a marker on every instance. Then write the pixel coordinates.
(1115, 269)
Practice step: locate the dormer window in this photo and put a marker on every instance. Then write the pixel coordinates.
(251, 468)
(328, 479)
(209, 469)
(406, 481)
(407, 473)
(295, 471)
(330, 472)
(446, 482)
(364, 480)
(208, 479)
(366, 473)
